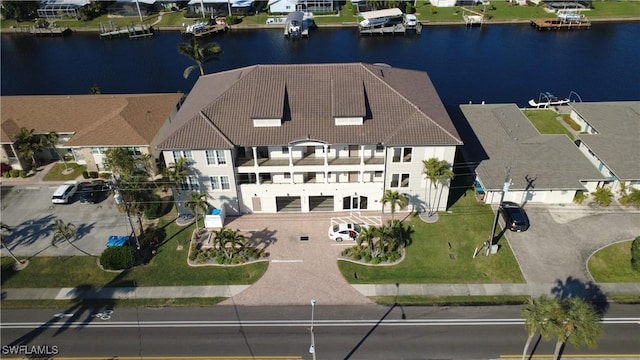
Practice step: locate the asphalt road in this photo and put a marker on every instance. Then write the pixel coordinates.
(31, 215)
(340, 332)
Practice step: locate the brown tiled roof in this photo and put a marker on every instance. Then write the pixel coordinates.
(95, 120)
(400, 107)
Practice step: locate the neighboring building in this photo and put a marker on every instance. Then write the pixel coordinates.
(287, 6)
(543, 168)
(213, 8)
(332, 137)
(59, 9)
(87, 125)
(610, 139)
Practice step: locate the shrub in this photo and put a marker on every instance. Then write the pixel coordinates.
(579, 197)
(410, 9)
(231, 19)
(632, 198)
(152, 210)
(375, 261)
(14, 173)
(93, 174)
(85, 174)
(6, 174)
(23, 174)
(117, 258)
(366, 258)
(602, 196)
(574, 125)
(635, 254)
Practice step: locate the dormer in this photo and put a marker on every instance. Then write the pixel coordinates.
(348, 107)
(268, 106)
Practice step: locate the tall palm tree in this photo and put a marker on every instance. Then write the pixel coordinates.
(537, 313)
(394, 198)
(29, 144)
(65, 231)
(4, 227)
(579, 324)
(51, 139)
(199, 54)
(178, 171)
(196, 201)
(438, 172)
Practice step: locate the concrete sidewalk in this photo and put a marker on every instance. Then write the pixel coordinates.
(173, 292)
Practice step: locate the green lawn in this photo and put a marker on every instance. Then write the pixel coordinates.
(56, 172)
(546, 123)
(167, 268)
(427, 260)
(613, 264)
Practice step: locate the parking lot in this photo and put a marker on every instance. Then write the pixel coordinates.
(28, 210)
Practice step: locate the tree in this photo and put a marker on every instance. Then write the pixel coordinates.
(196, 201)
(437, 172)
(123, 162)
(29, 144)
(229, 241)
(578, 323)
(367, 234)
(51, 139)
(178, 171)
(199, 54)
(394, 199)
(536, 313)
(635, 254)
(4, 227)
(19, 10)
(65, 231)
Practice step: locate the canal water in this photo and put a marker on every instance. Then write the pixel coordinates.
(496, 64)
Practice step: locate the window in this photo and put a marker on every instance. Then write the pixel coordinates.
(401, 155)
(377, 174)
(98, 150)
(287, 175)
(189, 183)
(215, 157)
(135, 151)
(399, 180)
(285, 149)
(177, 154)
(379, 148)
(219, 183)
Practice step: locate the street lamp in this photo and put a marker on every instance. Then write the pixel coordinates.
(312, 348)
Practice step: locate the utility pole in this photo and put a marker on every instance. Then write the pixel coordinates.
(505, 189)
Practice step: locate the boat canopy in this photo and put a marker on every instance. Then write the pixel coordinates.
(368, 15)
(296, 16)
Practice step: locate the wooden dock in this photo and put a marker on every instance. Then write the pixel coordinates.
(212, 29)
(558, 24)
(109, 29)
(48, 31)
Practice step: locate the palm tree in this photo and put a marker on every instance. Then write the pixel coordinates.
(51, 139)
(29, 145)
(65, 231)
(4, 227)
(367, 234)
(579, 324)
(199, 54)
(537, 313)
(229, 241)
(437, 172)
(394, 198)
(196, 201)
(178, 171)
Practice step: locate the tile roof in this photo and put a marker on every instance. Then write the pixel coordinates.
(508, 138)
(94, 120)
(617, 143)
(400, 107)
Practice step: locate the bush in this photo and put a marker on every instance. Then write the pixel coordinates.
(23, 174)
(579, 197)
(232, 19)
(93, 174)
(152, 210)
(117, 258)
(6, 174)
(85, 174)
(14, 173)
(632, 198)
(574, 125)
(602, 196)
(635, 254)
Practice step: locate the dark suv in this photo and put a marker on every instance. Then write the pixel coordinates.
(514, 216)
(92, 193)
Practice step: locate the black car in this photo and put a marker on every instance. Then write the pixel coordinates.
(93, 192)
(514, 216)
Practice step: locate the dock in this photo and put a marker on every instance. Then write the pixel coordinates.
(212, 29)
(108, 30)
(48, 31)
(559, 24)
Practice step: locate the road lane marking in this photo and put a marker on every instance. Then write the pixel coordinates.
(286, 261)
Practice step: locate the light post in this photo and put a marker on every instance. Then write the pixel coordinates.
(505, 189)
(312, 348)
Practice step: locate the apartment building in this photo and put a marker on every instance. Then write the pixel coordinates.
(313, 137)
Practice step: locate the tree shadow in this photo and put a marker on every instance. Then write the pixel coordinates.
(28, 232)
(83, 230)
(263, 238)
(587, 291)
(89, 304)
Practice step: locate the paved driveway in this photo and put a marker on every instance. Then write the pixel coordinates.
(31, 215)
(560, 240)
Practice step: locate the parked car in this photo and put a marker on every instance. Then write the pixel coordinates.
(64, 193)
(514, 216)
(339, 232)
(93, 192)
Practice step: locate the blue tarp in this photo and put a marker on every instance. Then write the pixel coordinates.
(115, 240)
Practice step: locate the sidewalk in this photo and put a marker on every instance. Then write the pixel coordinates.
(173, 292)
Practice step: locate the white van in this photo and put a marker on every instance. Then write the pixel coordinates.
(65, 192)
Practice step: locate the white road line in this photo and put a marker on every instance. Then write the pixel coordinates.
(287, 261)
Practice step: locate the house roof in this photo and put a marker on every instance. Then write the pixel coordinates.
(400, 107)
(508, 139)
(94, 120)
(617, 142)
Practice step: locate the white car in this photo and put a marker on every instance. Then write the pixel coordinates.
(65, 192)
(339, 232)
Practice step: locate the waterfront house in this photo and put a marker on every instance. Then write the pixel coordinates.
(610, 138)
(313, 137)
(87, 125)
(287, 6)
(502, 144)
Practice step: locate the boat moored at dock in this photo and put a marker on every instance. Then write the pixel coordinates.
(547, 100)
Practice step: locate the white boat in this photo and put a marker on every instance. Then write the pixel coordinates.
(196, 28)
(547, 99)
